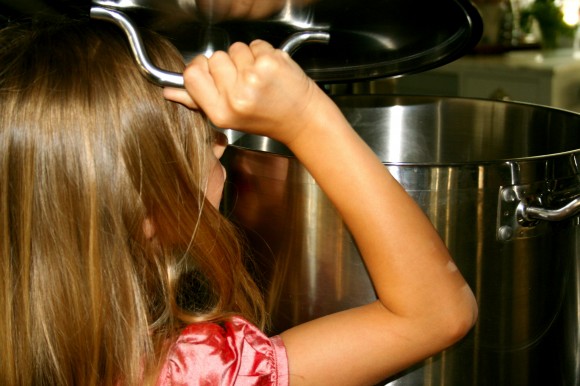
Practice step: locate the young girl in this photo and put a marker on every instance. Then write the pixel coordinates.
(117, 267)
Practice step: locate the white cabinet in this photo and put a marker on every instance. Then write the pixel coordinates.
(525, 76)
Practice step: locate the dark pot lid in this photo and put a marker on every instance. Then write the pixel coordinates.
(368, 38)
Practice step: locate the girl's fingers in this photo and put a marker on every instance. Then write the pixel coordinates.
(222, 71)
(200, 84)
(260, 43)
(273, 56)
(241, 55)
(180, 96)
(261, 47)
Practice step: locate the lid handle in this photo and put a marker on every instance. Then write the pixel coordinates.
(173, 79)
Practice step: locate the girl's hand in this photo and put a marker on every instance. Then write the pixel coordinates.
(256, 89)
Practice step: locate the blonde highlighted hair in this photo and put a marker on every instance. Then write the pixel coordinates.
(89, 151)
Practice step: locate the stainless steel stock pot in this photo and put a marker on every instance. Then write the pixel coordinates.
(499, 180)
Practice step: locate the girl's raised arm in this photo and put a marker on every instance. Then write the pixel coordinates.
(424, 305)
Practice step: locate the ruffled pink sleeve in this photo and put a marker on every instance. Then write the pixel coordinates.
(233, 353)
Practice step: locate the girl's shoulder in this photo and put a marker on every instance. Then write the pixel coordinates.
(234, 352)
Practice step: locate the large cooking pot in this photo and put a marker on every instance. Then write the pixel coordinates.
(500, 182)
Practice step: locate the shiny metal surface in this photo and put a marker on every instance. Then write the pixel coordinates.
(454, 157)
(377, 38)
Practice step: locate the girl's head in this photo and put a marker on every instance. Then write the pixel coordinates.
(108, 244)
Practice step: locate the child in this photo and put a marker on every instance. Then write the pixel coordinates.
(117, 267)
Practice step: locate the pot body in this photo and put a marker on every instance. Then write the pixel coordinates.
(468, 164)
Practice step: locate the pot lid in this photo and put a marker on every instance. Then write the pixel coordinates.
(367, 39)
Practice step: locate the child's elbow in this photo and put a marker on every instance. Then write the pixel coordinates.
(462, 326)
(459, 321)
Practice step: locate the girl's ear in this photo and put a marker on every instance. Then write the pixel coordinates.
(149, 228)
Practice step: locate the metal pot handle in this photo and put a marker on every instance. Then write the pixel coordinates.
(522, 213)
(531, 213)
(172, 79)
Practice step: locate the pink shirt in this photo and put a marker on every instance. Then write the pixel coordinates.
(233, 353)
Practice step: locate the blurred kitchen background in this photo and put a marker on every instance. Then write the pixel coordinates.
(529, 52)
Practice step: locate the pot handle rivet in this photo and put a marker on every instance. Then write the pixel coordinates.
(505, 233)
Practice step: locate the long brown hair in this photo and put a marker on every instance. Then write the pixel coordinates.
(89, 150)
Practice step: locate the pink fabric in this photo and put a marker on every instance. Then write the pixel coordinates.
(232, 353)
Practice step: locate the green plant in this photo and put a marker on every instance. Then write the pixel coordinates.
(550, 20)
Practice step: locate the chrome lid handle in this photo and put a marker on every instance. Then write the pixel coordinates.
(172, 79)
(160, 77)
(295, 41)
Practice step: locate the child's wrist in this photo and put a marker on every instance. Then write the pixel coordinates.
(321, 123)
